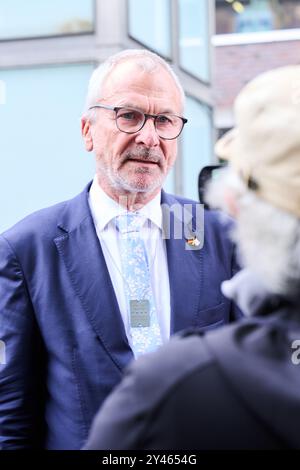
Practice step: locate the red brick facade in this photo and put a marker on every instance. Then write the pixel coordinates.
(235, 65)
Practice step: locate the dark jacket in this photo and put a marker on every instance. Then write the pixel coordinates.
(233, 388)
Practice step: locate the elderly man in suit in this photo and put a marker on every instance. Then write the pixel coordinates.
(237, 387)
(91, 283)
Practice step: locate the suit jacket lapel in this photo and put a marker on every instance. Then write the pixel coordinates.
(85, 263)
(185, 270)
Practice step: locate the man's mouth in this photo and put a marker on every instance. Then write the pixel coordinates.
(138, 160)
(143, 158)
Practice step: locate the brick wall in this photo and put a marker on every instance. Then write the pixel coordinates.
(236, 65)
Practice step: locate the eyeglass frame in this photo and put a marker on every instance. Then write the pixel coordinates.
(146, 116)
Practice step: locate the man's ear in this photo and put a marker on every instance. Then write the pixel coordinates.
(86, 134)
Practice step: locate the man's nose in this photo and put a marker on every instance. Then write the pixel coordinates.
(148, 135)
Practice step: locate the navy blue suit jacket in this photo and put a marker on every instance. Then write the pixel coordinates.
(66, 346)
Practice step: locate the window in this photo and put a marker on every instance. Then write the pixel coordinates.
(197, 145)
(256, 15)
(150, 24)
(42, 157)
(35, 18)
(2, 92)
(194, 37)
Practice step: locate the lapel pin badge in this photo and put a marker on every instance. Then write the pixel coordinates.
(193, 241)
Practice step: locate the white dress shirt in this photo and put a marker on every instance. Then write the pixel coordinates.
(104, 210)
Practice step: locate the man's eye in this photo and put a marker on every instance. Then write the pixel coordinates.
(129, 115)
(161, 119)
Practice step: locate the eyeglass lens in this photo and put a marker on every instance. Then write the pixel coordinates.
(131, 120)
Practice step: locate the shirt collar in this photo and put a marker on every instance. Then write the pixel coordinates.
(152, 211)
(104, 208)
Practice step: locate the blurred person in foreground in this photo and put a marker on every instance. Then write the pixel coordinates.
(83, 292)
(238, 387)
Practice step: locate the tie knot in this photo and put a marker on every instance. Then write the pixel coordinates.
(130, 222)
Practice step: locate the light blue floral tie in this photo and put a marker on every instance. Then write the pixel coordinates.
(144, 327)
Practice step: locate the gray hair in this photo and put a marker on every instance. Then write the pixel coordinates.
(148, 61)
(268, 238)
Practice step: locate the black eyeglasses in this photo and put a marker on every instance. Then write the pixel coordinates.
(129, 120)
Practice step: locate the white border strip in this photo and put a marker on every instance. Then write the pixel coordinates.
(258, 37)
